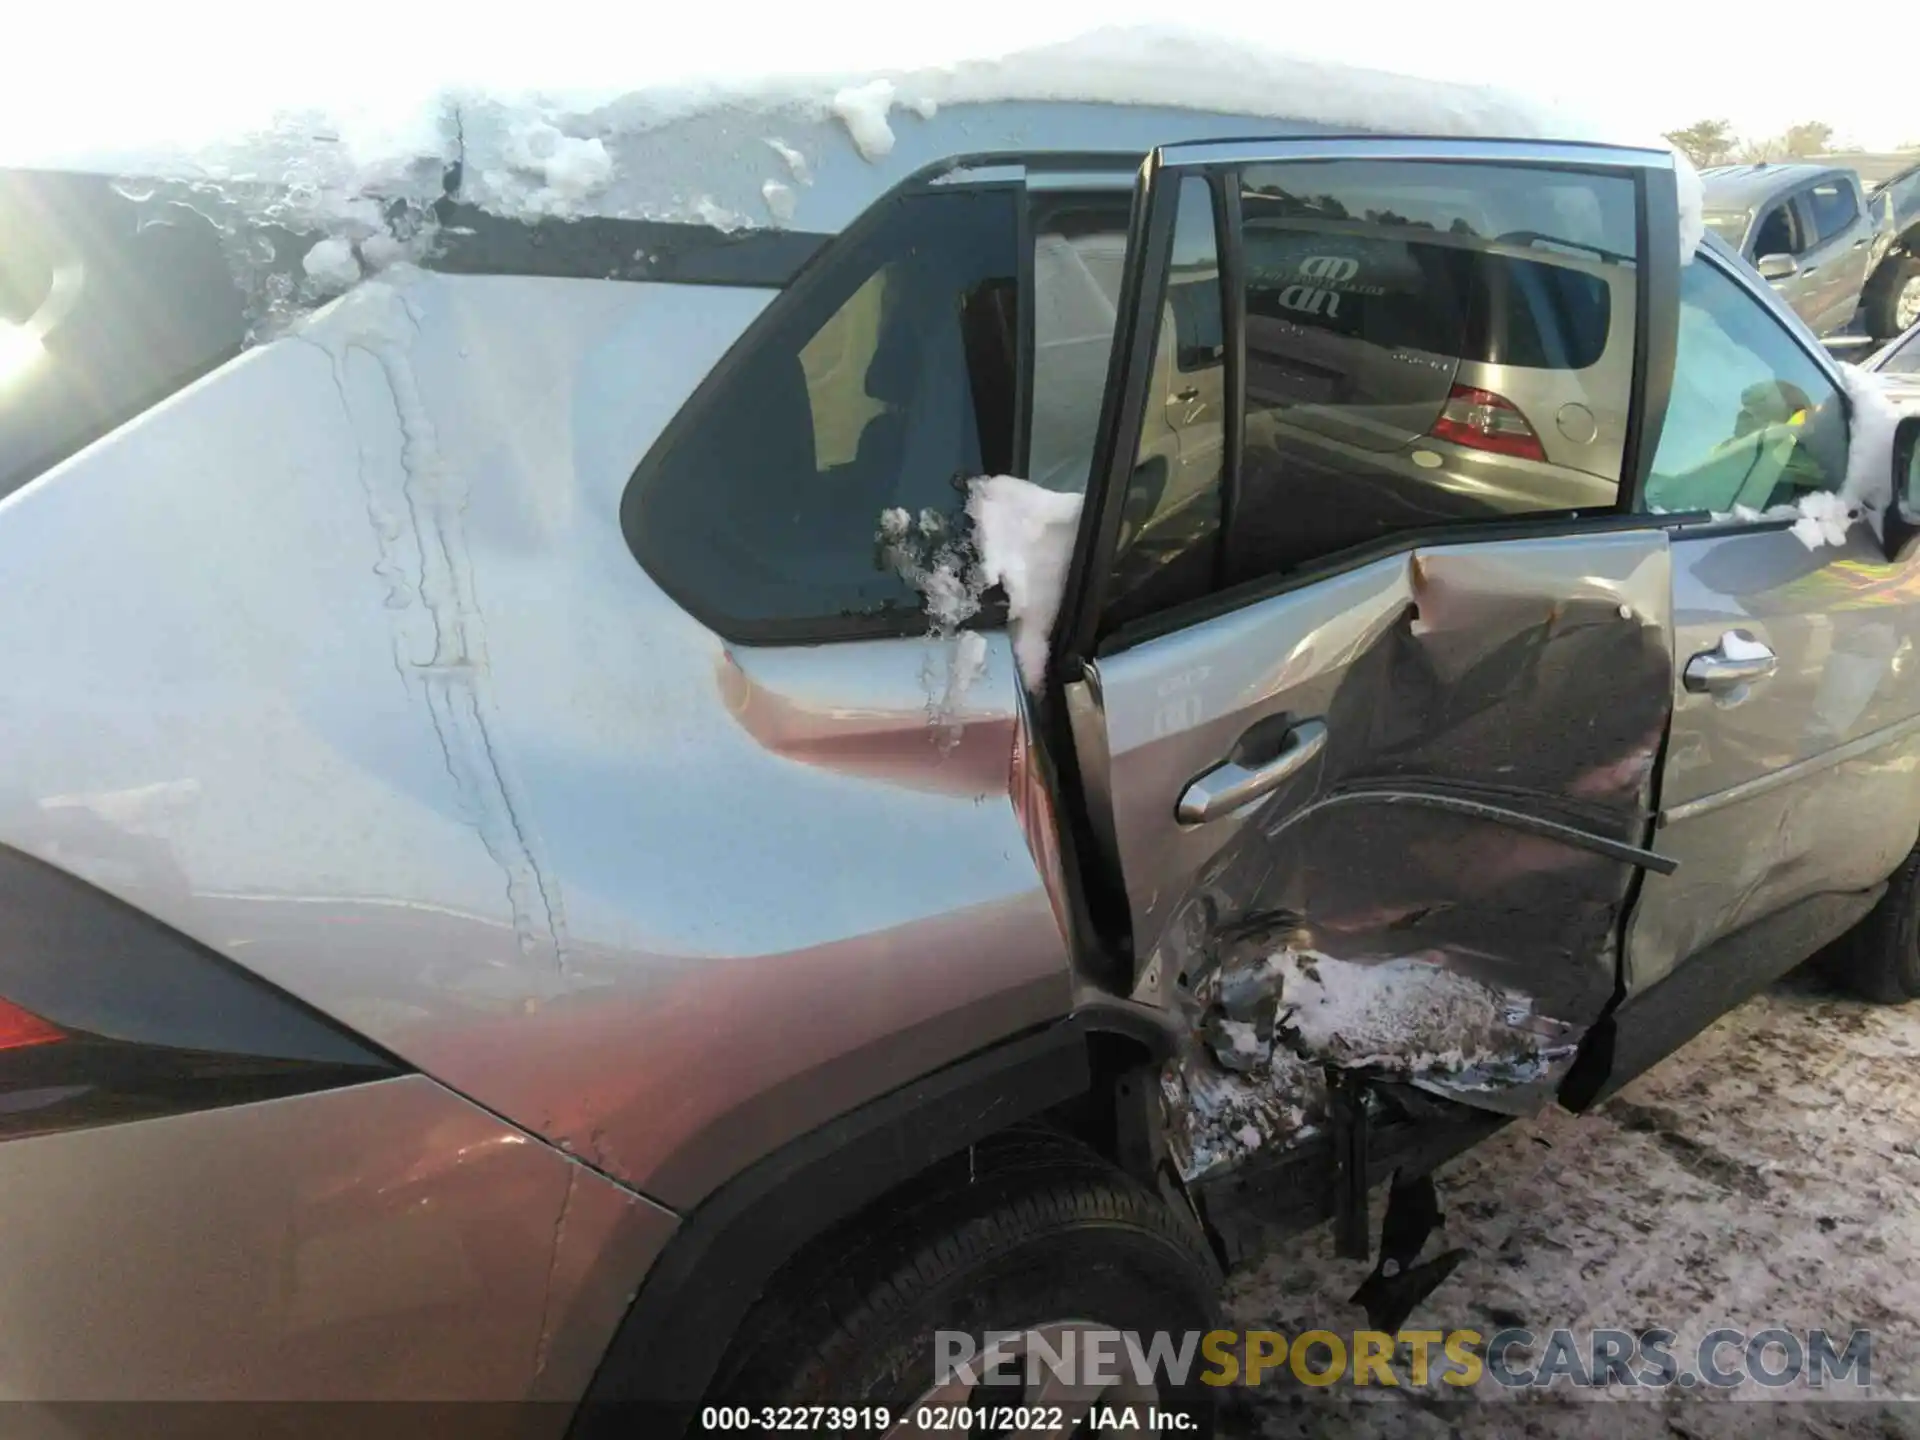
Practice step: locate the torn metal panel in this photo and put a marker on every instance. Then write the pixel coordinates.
(1435, 895)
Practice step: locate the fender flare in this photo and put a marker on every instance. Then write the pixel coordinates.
(667, 1349)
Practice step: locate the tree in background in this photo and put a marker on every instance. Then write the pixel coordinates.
(1812, 138)
(1705, 142)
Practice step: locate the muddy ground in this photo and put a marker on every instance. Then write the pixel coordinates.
(1766, 1175)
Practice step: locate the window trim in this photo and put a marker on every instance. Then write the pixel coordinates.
(1077, 634)
(1013, 171)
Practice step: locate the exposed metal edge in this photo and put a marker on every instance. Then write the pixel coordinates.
(1498, 815)
(1799, 770)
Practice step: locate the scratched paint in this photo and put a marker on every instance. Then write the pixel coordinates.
(424, 570)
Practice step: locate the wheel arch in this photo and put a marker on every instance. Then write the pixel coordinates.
(664, 1355)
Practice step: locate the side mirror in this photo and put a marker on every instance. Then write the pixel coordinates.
(1777, 267)
(1903, 516)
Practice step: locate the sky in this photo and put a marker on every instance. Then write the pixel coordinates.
(197, 69)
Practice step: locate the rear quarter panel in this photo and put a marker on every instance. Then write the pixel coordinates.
(339, 663)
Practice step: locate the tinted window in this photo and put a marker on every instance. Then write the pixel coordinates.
(886, 382)
(1170, 517)
(1729, 225)
(1752, 420)
(1833, 207)
(1079, 254)
(1779, 233)
(1427, 344)
(106, 308)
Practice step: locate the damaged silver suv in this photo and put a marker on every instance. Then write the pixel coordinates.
(531, 869)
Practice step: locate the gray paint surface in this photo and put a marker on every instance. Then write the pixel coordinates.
(385, 1242)
(345, 645)
(1805, 782)
(1529, 675)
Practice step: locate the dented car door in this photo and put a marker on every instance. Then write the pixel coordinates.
(1369, 734)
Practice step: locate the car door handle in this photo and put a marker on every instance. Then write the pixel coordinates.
(1192, 392)
(1716, 671)
(1225, 788)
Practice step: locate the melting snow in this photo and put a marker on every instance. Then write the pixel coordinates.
(331, 265)
(863, 109)
(1693, 207)
(1876, 415)
(569, 168)
(1025, 535)
(795, 161)
(711, 212)
(944, 571)
(1823, 518)
(1404, 1015)
(780, 201)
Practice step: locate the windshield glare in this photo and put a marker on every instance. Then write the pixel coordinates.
(1729, 225)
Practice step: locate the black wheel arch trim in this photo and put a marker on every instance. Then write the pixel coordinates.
(668, 1348)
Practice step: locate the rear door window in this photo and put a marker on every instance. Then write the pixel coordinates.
(1427, 344)
(1779, 232)
(1833, 206)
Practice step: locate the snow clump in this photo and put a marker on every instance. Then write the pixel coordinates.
(863, 109)
(1025, 535)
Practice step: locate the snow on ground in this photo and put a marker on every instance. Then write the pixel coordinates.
(1768, 1174)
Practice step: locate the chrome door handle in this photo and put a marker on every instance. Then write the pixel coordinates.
(1724, 668)
(1226, 788)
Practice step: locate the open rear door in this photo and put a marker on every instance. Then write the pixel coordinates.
(1367, 688)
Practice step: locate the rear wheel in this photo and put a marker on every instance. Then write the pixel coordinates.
(1880, 959)
(1033, 1234)
(1892, 298)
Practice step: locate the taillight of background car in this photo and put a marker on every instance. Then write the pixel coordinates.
(1482, 420)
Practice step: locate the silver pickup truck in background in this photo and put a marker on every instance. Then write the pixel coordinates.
(1831, 249)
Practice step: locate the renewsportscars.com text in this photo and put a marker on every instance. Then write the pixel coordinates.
(1512, 1358)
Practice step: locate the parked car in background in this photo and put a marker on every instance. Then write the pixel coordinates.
(1832, 250)
(1898, 363)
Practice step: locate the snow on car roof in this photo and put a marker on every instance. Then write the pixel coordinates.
(644, 152)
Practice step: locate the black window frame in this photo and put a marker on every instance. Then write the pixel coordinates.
(821, 270)
(986, 171)
(1080, 634)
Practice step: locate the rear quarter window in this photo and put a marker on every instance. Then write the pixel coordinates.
(884, 380)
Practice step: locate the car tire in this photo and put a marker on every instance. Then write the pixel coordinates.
(1879, 959)
(1882, 301)
(1027, 1231)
